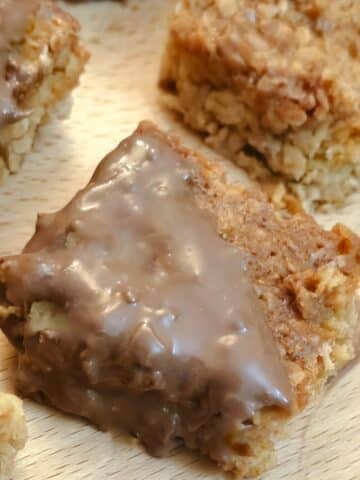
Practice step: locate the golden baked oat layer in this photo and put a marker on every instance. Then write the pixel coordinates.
(66, 308)
(274, 82)
(41, 59)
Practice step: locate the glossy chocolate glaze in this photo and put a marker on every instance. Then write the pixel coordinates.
(14, 16)
(166, 337)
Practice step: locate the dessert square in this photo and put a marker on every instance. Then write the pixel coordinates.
(272, 83)
(166, 302)
(41, 59)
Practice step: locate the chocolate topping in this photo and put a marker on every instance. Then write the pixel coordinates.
(14, 16)
(163, 329)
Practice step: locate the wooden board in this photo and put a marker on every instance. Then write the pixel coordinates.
(118, 90)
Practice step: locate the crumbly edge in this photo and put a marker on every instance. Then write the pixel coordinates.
(13, 432)
(57, 60)
(319, 161)
(253, 443)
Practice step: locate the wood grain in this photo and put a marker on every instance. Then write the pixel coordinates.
(118, 90)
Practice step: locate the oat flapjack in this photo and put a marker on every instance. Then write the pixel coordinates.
(274, 83)
(41, 59)
(165, 301)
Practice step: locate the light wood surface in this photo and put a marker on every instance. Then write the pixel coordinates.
(117, 90)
